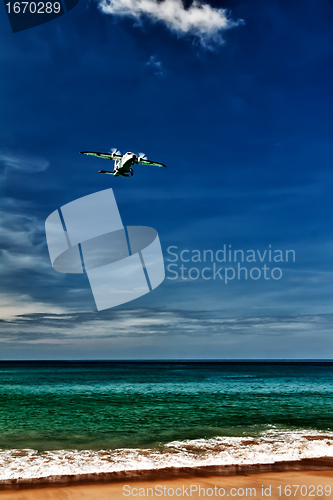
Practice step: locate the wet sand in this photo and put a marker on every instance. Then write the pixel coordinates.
(257, 486)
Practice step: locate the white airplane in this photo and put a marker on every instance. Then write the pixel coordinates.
(122, 163)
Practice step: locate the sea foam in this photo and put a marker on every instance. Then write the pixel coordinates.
(266, 448)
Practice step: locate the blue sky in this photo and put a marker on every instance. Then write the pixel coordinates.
(236, 98)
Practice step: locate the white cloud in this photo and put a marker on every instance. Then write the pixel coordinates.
(18, 230)
(155, 65)
(200, 19)
(14, 305)
(23, 163)
(22, 243)
(150, 322)
(24, 262)
(156, 334)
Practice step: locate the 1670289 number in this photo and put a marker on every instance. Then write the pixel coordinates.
(33, 7)
(304, 490)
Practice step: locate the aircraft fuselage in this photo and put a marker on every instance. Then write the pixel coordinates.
(123, 166)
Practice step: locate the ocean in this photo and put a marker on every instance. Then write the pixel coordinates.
(87, 417)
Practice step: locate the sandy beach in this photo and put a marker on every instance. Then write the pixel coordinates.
(274, 485)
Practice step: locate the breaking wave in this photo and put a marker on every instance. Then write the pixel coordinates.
(266, 448)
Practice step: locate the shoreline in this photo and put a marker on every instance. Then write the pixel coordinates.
(168, 473)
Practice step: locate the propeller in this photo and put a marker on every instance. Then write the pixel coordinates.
(142, 156)
(115, 151)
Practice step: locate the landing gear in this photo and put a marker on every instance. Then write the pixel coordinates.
(131, 170)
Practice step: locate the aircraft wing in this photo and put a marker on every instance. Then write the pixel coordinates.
(148, 162)
(106, 156)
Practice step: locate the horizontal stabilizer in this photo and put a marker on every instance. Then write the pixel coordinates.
(105, 172)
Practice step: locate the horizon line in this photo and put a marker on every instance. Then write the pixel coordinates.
(194, 360)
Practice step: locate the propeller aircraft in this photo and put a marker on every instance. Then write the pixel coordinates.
(122, 163)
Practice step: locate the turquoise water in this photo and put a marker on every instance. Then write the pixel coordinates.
(110, 405)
